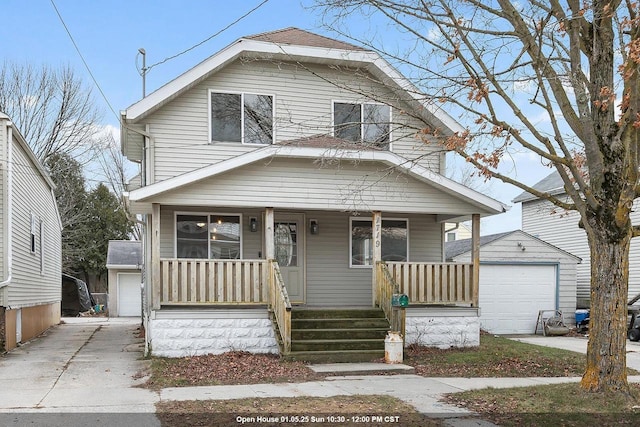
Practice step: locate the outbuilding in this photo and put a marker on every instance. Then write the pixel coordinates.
(124, 262)
(519, 276)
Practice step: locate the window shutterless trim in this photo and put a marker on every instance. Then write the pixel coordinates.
(362, 123)
(208, 215)
(369, 220)
(242, 94)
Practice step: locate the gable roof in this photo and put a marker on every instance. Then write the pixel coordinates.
(292, 44)
(296, 36)
(552, 184)
(19, 139)
(124, 254)
(459, 247)
(485, 203)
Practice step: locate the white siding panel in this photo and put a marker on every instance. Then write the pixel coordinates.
(302, 184)
(31, 194)
(303, 104)
(545, 221)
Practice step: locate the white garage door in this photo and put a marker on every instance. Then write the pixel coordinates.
(129, 297)
(512, 295)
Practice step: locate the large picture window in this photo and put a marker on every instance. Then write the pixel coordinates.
(208, 236)
(246, 118)
(394, 241)
(368, 123)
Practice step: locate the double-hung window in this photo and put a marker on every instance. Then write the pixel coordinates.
(241, 117)
(367, 123)
(208, 236)
(394, 241)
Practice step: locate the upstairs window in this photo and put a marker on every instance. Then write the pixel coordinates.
(245, 118)
(368, 123)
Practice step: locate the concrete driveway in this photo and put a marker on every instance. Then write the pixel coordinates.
(579, 344)
(80, 374)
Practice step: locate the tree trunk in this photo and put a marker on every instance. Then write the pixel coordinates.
(606, 352)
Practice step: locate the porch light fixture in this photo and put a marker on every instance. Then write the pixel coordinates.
(313, 226)
(253, 224)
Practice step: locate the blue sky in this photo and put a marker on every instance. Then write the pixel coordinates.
(109, 33)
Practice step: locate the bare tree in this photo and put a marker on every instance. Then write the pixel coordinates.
(113, 166)
(555, 78)
(54, 111)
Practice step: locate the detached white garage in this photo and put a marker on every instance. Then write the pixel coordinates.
(520, 275)
(124, 262)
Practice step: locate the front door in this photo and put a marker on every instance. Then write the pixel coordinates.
(289, 253)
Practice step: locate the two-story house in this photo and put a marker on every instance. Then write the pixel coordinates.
(288, 177)
(30, 242)
(543, 219)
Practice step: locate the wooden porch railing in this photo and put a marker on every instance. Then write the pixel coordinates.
(434, 283)
(198, 281)
(386, 287)
(280, 305)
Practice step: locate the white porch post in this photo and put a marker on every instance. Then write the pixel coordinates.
(376, 222)
(269, 244)
(475, 257)
(155, 255)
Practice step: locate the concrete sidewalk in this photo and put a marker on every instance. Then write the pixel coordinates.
(83, 372)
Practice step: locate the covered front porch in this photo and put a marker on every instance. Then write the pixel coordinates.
(317, 265)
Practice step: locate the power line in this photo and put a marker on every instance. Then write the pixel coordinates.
(207, 39)
(84, 62)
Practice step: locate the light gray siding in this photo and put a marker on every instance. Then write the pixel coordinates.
(302, 184)
(507, 250)
(32, 195)
(3, 204)
(303, 99)
(330, 280)
(542, 219)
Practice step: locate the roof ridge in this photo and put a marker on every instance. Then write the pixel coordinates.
(267, 36)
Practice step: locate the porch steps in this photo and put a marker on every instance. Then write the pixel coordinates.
(337, 335)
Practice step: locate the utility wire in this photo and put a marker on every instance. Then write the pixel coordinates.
(207, 39)
(85, 62)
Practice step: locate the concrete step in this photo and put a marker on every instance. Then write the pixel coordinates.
(337, 345)
(339, 334)
(340, 323)
(345, 313)
(339, 356)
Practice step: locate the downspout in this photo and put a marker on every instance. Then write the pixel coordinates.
(9, 238)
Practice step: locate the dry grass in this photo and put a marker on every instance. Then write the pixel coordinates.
(316, 411)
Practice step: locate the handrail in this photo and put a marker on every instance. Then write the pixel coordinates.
(387, 286)
(280, 304)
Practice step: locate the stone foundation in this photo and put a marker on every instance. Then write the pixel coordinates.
(181, 333)
(443, 327)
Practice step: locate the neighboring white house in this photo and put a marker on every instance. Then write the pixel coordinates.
(30, 242)
(520, 275)
(560, 228)
(456, 231)
(275, 175)
(124, 262)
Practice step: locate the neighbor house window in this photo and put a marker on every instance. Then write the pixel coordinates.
(244, 117)
(394, 241)
(35, 229)
(41, 231)
(368, 123)
(210, 236)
